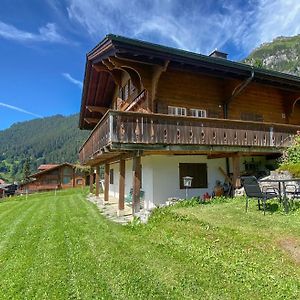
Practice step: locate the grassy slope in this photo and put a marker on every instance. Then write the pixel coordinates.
(62, 248)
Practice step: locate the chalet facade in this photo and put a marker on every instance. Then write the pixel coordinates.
(157, 114)
(54, 176)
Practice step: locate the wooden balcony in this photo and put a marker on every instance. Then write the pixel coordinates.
(122, 131)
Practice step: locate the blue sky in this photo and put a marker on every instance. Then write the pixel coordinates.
(43, 43)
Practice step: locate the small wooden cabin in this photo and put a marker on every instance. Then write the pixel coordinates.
(51, 177)
(157, 114)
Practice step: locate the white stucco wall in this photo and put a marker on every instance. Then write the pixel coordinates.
(160, 177)
(114, 188)
(166, 176)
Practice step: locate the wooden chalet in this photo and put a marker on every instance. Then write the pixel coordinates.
(157, 114)
(54, 176)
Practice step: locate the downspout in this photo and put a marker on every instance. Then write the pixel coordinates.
(237, 90)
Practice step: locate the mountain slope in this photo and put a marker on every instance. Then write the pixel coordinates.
(49, 140)
(282, 54)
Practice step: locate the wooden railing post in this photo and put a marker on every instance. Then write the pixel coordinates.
(111, 127)
(106, 183)
(97, 181)
(136, 197)
(236, 171)
(121, 186)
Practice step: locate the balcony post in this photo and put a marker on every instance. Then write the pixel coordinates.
(136, 197)
(91, 180)
(111, 133)
(121, 186)
(236, 171)
(97, 181)
(106, 183)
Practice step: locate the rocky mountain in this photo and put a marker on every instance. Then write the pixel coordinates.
(282, 54)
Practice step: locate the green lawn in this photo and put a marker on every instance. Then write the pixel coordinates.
(62, 248)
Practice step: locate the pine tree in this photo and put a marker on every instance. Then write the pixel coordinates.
(26, 170)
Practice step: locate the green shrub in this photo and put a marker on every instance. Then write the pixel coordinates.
(292, 154)
(293, 168)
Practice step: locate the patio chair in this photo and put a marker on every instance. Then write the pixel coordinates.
(128, 198)
(293, 191)
(253, 190)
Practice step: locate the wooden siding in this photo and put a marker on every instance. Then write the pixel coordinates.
(295, 118)
(190, 90)
(261, 100)
(54, 180)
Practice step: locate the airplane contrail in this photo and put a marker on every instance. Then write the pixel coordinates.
(20, 109)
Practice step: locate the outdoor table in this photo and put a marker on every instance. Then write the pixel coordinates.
(282, 189)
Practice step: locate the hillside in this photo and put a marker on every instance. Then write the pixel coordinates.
(282, 54)
(49, 140)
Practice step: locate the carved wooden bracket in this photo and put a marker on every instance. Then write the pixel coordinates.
(115, 73)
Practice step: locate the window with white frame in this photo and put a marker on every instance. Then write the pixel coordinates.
(176, 111)
(199, 113)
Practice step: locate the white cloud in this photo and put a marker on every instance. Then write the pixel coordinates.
(73, 80)
(273, 19)
(197, 26)
(47, 33)
(19, 109)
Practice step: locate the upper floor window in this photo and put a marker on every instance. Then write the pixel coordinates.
(250, 116)
(199, 113)
(176, 111)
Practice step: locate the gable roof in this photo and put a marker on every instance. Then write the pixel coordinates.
(99, 86)
(47, 166)
(54, 167)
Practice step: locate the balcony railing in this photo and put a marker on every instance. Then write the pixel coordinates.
(144, 129)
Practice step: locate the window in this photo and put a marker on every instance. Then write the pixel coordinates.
(196, 170)
(250, 116)
(199, 113)
(111, 176)
(79, 181)
(66, 179)
(176, 111)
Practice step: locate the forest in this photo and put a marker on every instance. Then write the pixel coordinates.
(53, 139)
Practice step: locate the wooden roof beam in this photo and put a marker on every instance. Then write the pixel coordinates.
(99, 109)
(138, 58)
(91, 120)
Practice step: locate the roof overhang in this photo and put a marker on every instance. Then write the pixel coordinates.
(99, 86)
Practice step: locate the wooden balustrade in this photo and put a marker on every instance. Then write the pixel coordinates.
(146, 129)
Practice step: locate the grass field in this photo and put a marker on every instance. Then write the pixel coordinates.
(62, 248)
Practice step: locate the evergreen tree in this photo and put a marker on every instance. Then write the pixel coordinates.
(26, 170)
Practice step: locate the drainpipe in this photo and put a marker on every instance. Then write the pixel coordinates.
(237, 90)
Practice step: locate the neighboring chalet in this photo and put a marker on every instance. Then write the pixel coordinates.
(54, 176)
(158, 114)
(7, 189)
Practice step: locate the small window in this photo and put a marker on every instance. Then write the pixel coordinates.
(198, 113)
(250, 116)
(66, 180)
(67, 171)
(79, 181)
(111, 176)
(176, 111)
(196, 170)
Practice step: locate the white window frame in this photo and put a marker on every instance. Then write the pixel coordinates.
(176, 111)
(198, 113)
